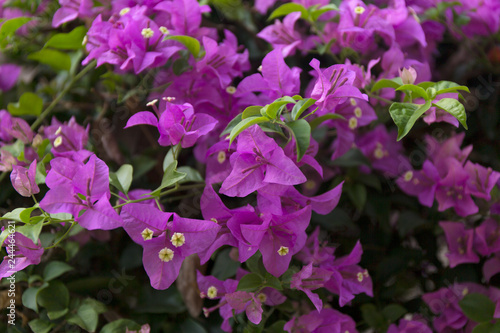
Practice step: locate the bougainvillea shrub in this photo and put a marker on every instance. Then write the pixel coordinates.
(250, 166)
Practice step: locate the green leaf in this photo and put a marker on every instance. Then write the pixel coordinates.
(255, 265)
(192, 175)
(30, 295)
(26, 214)
(32, 231)
(120, 326)
(358, 194)
(170, 177)
(477, 307)
(318, 121)
(235, 121)
(487, 328)
(316, 13)
(86, 317)
(9, 27)
(250, 282)
(122, 179)
(453, 107)
(55, 269)
(224, 266)
(393, 312)
(277, 327)
(251, 111)
(190, 43)
(68, 41)
(415, 90)
(373, 317)
(443, 87)
(272, 281)
(244, 124)
(273, 110)
(386, 83)
(288, 8)
(29, 104)
(406, 114)
(302, 134)
(55, 59)
(40, 326)
(55, 299)
(302, 106)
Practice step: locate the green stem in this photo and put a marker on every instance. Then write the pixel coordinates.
(167, 192)
(56, 100)
(388, 101)
(62, 237)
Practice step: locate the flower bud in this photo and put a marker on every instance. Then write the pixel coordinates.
(408, 76)
(23, 180)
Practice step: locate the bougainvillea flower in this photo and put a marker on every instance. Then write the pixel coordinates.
(282, 199)
(277, 79)
(258, 161)
(14, 127)
(142, 222)
(70, 10)
(409, 326)
(316, 252)
(349, 279)
(249, 302)
(163, 255)
(23, 180)
(444, 303)
(326, 321)
(176, 124)
(460, 243)
(282, 35)
(81, 187)
(451, 191)
(9, 73)
(25, 253)
(185, 16)
(67, 138)
(310, 278)
(487, 237)
(334, 85)
(481, 180)
(421, 183)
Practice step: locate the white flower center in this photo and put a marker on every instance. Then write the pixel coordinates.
(166, 254)
(124, 11)
(147, 33)
(58, 141)
(353, 123)
(408, 176)
(212, 292)
(164, 30)
(147, 234)
(359, 10)
(353, 101)
(221, 157)
(178, 239)
(283, 251)
(360, 277)
(230, 90)
(357, 112)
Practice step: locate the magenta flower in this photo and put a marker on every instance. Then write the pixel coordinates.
(487, 237)
(71, 10)
(249, 302)
(421, 183)
(277, 79)
(14, 127)
(25, 253)
(326, 321)
(258, 161)
(164, 254)
(23, 180)
(334, 85)
(460, 243)
(76, 187)
(9, 73)
(451, 191)
(283, 36)
(349, 279)
(481, 180)
(176, 124)
(310, 278)
(68, 139)
(409, 326)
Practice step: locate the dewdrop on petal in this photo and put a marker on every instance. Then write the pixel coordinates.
(283, 251)
(178, 239)
(166, 254)
(147, 234)
(58, 141)
(212, 292)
